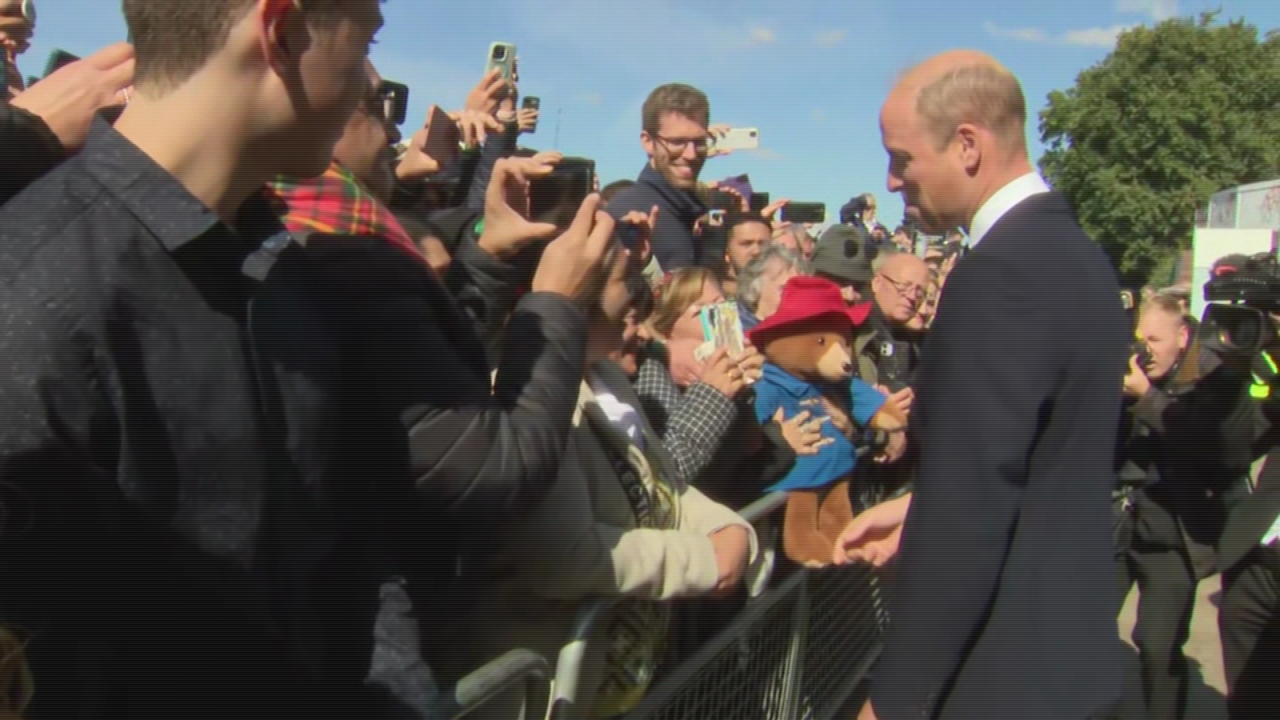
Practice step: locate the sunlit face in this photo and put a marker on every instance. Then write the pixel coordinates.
(365, 148)
(1166, 336)
(608, 322)
(689, 326)
(746, 241)
(678, 150)
(900, 287)
(323, 83)
(926, 176)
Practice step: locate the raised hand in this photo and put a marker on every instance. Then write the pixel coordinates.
(69, 99)
(874, 535)
(572, 265)
(507, 228)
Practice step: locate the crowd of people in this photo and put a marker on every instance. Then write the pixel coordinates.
(305, 418)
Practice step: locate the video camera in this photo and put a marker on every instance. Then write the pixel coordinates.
(1244, 290)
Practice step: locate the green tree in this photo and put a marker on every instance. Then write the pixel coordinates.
(1174, 114)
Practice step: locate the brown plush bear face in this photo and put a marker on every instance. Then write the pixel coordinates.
(815, 350)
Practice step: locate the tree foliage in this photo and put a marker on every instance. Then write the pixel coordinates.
(1174, 114)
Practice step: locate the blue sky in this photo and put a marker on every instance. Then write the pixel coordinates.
(811, 74)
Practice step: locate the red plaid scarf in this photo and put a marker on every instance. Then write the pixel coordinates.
(336, 203)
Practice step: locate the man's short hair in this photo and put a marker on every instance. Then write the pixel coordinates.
(984, 94)
(676, 98)
(733, 220)
(751, 280)
(173, 39)
(608, 191)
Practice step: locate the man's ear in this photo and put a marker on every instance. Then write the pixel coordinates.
(646, 142)
(278, 21)
(969, 147)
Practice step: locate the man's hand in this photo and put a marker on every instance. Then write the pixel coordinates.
(527, 119)
(643, 225)
(1136, 383)
(873, 536)
(68, 99)
(770, 213)
(802, 434)
(733, 548)
(487, 93)
(507, 229)
(723, 374)
(894, 450)
(573, 263)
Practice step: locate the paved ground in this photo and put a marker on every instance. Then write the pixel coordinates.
(1205, 700)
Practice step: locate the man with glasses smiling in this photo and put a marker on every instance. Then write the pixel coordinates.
(676, 138)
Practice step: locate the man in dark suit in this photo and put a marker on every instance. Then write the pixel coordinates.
(1004, 604)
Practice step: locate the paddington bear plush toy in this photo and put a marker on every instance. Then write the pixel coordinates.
(809, 368)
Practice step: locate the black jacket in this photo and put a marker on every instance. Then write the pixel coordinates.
(1004, 604)
(674, 244)
(30, 150)
(443, 450)
(1194, 442)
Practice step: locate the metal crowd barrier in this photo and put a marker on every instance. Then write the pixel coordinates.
(481, 686)
(799, 650)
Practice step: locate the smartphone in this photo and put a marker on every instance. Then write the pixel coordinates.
(722, 327)
(759, 201)
(441, 143)
(721, 200)
(739, 139)
(395, 100)
(556, 198)
(532, 102)
(804, 212)
(502, 56)
(57, 60)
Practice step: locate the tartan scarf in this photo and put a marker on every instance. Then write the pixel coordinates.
(336, 203)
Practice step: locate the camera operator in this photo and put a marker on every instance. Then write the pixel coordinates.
(1250, 562)
(1184, 404)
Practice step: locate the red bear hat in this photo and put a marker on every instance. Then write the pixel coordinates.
(805, 298)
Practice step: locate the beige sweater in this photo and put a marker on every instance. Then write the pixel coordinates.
(582, 542)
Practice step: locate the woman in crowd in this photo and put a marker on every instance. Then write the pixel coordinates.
(619, 522)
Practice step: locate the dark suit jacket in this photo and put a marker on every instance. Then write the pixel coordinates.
(1005, 603)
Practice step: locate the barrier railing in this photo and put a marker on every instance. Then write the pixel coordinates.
(799, 650)
(481, 686)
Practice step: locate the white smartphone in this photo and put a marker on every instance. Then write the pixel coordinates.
(739, 139)
(502, 56)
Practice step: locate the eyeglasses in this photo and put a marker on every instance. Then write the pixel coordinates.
(905, 289)
(676, 146)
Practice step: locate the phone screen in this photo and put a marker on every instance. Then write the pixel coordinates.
(804, 212)
(556, 198)
(531, 102)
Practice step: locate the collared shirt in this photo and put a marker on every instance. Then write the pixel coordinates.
(1004, 200)
(163, 417)
(779, 389)
(622, 416)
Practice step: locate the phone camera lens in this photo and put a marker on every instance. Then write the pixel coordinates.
(499, 53)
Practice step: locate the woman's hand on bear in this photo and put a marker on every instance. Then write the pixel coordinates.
(803, 434)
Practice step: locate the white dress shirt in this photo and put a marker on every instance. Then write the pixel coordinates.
(1004, 200)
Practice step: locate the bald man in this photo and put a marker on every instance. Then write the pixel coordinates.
(1004, 604)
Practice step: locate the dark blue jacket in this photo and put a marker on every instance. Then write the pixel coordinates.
(674, 243)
